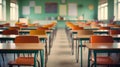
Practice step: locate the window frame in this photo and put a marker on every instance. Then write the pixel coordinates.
(13, 11)
(3, 10)
(103, 11)
(116, 10)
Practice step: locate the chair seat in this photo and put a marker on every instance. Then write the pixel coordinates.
(27, 61)
(103, 60)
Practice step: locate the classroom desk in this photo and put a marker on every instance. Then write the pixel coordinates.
(94, 31)
(3, 28)
(12, 38)
(49, 32)
(101, 48)
(101, 31)
(24, 48)
(74, 32)
(87, 37)
(26, 32)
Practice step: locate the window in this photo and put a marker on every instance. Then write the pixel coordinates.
(117, 9)
(13, 10)
(2, 10)
(103, 10)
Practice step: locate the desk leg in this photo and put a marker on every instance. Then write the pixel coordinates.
(49, 43)
(46, 50)
(89, 54)
(81, 51)
(42, 58)
(95, 56)
(35, 59)
(72, 43)
(77, 53)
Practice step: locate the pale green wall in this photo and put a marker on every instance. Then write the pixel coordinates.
(110, 9)
(88, 14)
(7, 10)
(84, 10)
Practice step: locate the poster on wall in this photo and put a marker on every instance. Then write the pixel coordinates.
(72, 9)
(25, 10)
(62, 10)
(32, 3)
(38, 10)
(51, 7)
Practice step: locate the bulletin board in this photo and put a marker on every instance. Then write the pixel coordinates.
(62, 10)
(51, 7)
(72, 9)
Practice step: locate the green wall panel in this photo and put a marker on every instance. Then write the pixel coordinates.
(110, 9)
(84, 10)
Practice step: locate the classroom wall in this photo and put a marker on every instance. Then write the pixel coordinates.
(83, 9)
(110, 9)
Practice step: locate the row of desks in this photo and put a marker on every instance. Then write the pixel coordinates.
(80, 40)
(24, 48)
(32, 48)
(97, 49)
(102, 48)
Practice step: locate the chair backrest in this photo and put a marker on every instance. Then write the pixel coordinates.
(37, 32)
(42, 28)
(104, 28)
(26, 39)
(101, 39)
(6, 25)
(1, 25)
(9, 32)
(69, 24)
(114, 32)
(77, 28)
(85, 32)
(14, 28)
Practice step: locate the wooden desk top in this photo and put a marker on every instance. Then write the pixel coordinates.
(10, 36)
(88, 36)
(84, 36)
(21, 46)
(100, 30)
(92, 30)
(29, 30)
(103, 46)
(14, 36)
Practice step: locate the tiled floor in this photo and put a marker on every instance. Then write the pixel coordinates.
(61, 55)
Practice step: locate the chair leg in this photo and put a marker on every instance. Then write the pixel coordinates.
(78, 52)
(2, 57)
(38, 63)
(10, 65)
(92, 65)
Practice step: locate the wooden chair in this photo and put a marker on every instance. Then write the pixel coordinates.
(101, 60)
(6, 25)
(1, 25)
(14, 28)
(21, 60)
(42, 28)
(37, 32)
(82, 33)
(9, 32)
(104, 28)
(77, 28)
(114, 32)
